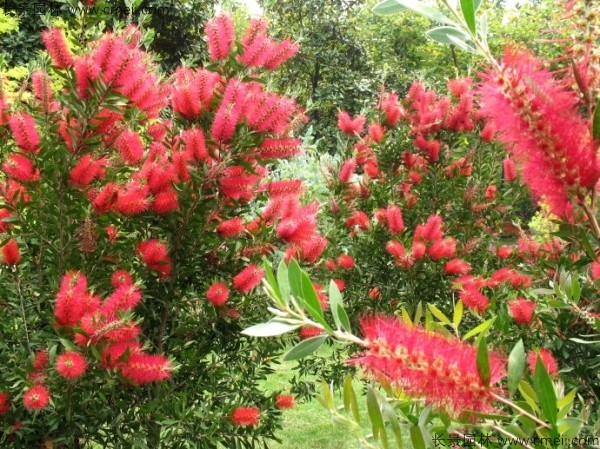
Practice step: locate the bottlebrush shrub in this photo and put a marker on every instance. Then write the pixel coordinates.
(132, 246)
(421, 199)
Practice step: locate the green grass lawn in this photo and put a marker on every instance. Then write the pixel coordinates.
(309, 425)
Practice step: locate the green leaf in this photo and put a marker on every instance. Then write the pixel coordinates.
(418, 313)
(596, 123)
(468, 9)
(283, 282)
(350, 402)
(440, 34)
(393, 7)
(374, 412)
(417, 438)
(483, 361)
(269, 329)
(516, 366)
(274, 289)
(311, 300)
(438, 314)
(479, 329)
(295, 278)
(476, 5)
(389, 415)
(336, 305)
(388, 7)
(458, 313)
(461, 44)
(545, 393)
(305, 347)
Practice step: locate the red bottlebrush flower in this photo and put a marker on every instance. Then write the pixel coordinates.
(376, 132)
(195, 144)
(279, 148)
(537, 118)
(457, 267)
(256, 27)
(509, 169)
(488, 132)
(10, 253)
(528, 248)
(391, 108)
(280, 53)
(258, 51)
(504, 252)
(441, 370)
(71, 365)
(345, 261)
(117, 353)
(153, 252)
(595, 270)
(395, 248)
(269, 112)
(246, 416)
(360, 219)
(24, 132)
(5, 403)
(112, 233)
(220, 37)
(341, 285)
(331, 265)
(217, 294)
(432, 230)
(474, 299)
(309, 332)
(130, 146)
(36, 398)
(104, 199)
(165, 201)
(394, 219)
(248, 278)
(418, 250)
(56, 45)
(121, 278)
(490, 192)
(350, 126)
(143, 368)
(441, 249)
(5, 215)
(347, 171)
(40, 360)
(231, 227)
(132, 198)
(85, 71)
(459, 87)
(283, 401)
(547, 359)
(71, 299)
(311, 249)
(375, 293)
(192, 91)
(125, 297)
(287, 187)
(521, 310)
(42, 89)
(20, 168)
(88, 169)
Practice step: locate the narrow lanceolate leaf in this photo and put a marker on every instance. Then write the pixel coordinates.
(468, 10)
(479, 329)
(440, 34)
(516, 366)
(272, 282)
(483, 361)
(388, 7)
(429, 11)
(311, 301)
(305, 347)
(336, 305)
(461, 44)
(417, 438)
(374, 412)
(458, 313)
(269, 329)
(283, 282)
(389, 415)
(350, 402)
(438, 314)
(545, 393)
